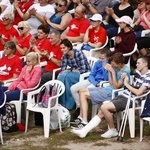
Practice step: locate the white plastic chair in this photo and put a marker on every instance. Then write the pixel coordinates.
(1, 134)
(130, 54)
(93, 50)
(43, 63)
(21, 100)
(33, 106)
(131, 116)
(143, 119)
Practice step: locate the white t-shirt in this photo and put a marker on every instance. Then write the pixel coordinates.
(47, 10)
(8, 8)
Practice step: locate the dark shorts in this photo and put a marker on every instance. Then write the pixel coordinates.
(120, 102)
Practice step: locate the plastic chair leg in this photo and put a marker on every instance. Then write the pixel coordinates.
(27, 118)
(1, 134)
(141, 130)
(59, 122)
(131, 118)
(94, 110)
(46, 120)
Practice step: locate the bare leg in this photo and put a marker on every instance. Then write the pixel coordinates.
(106, 111)
(84, 97)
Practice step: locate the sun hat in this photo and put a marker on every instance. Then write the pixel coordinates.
(96, 17)
(125, 19)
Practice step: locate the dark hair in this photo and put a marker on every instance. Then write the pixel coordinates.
(45, 28)
(67, 43)
(11, 45)
(118, 58)
(145, 59)
(106, 52)
(65, 2)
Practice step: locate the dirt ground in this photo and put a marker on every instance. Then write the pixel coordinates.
(35, 140)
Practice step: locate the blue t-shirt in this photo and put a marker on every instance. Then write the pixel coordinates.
(118, 76)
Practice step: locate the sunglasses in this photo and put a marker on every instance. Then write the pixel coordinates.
(5, 19)
(20, 28)
(59, 5)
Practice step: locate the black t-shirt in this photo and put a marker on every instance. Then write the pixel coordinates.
(125, 12)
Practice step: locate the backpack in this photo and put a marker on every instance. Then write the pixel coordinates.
(45, 93)
(9, 120)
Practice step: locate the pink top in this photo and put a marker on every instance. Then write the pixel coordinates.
(27, 79)
(143, 23)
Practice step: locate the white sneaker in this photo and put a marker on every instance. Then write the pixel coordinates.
(110, 133)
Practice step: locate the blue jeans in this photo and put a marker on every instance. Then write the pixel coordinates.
(111, 30)
(13, 95)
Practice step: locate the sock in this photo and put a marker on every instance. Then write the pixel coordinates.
(80, 117)
(84, 122)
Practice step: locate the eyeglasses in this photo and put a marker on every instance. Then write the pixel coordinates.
(5, 19)
(20, 28)
(60, 5)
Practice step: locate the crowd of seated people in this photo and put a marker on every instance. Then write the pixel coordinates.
(48, 30)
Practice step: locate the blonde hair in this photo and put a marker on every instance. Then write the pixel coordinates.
(24, 24)
(10, 16)
(34, 56)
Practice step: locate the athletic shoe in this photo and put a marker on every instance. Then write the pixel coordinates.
(76, 121)
(110, 133)
(78, 126)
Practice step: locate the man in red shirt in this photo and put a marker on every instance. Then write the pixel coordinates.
(77, 26)
(53, 56)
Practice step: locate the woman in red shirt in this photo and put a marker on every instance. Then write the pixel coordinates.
(23, 41)
(20, 9)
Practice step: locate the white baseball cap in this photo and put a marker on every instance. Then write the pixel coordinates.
(125, 19)
(96, 17)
